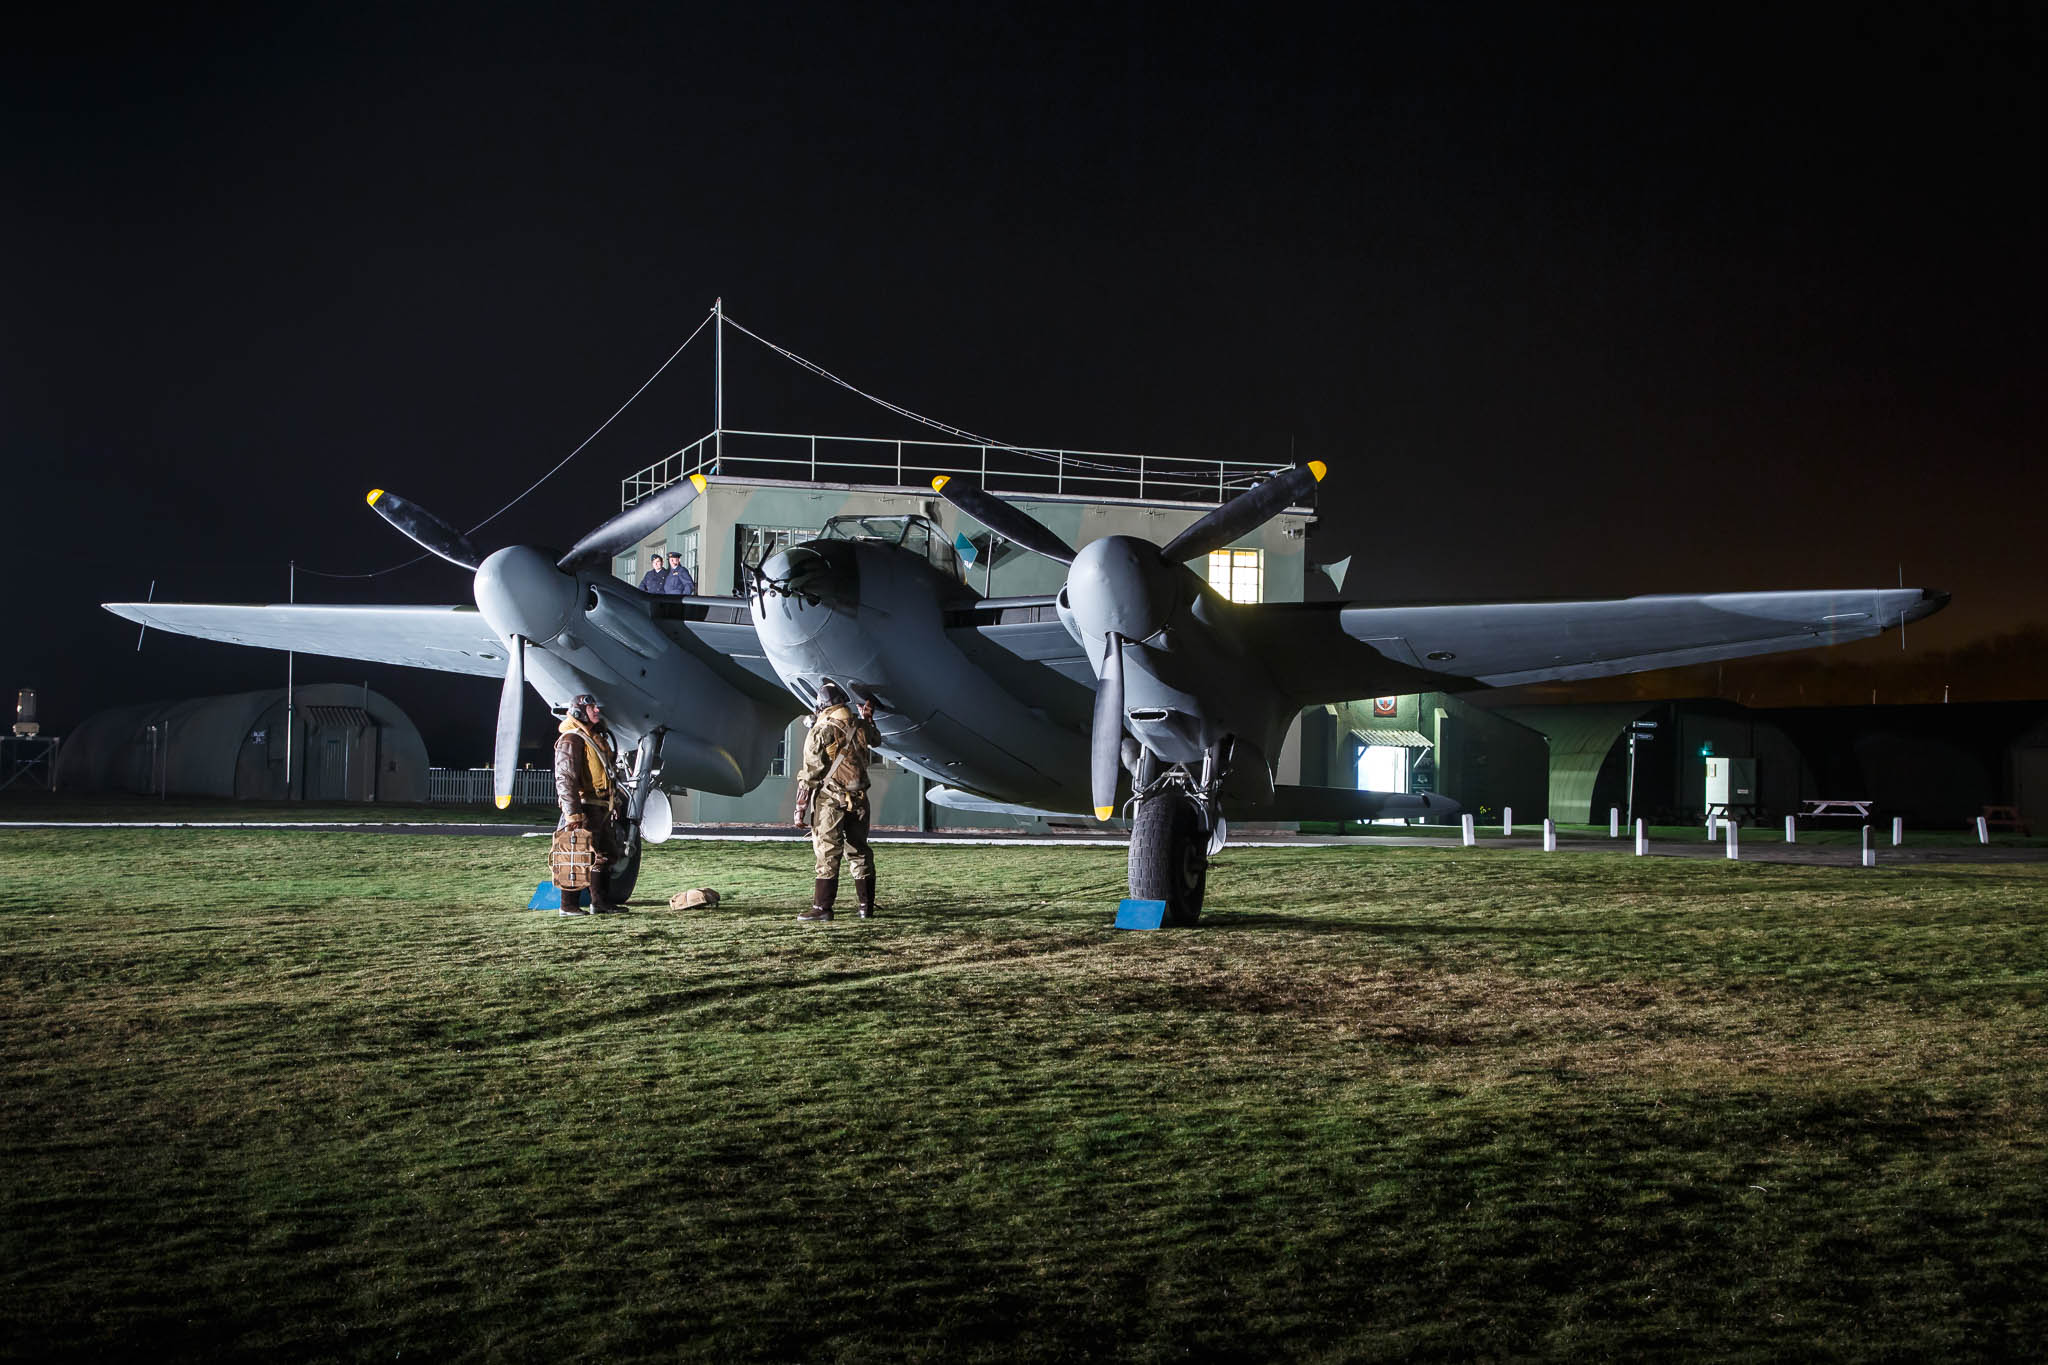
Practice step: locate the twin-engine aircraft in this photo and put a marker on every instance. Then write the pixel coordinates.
(1136, 687)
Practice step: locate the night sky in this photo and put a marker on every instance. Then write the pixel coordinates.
(1571, 304)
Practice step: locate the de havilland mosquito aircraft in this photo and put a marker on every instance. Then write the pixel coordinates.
(1136, 687)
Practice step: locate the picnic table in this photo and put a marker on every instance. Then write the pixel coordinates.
(1837, 809)
(2006, 817)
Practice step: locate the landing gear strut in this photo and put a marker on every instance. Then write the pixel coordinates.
(1170, 853)
(643, 765)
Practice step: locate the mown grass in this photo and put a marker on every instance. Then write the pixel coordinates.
(321, 1095)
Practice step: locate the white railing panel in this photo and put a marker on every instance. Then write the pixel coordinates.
(881, 460)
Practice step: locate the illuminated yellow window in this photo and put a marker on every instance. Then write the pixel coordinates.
(1235, 574)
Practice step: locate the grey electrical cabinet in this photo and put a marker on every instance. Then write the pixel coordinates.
(1731, 783)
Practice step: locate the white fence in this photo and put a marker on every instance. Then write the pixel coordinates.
(472, 786)
(911, 464)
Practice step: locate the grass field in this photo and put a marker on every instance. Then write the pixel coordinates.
(323, 1095)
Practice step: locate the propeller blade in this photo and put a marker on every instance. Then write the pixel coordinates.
(1106, 733)
(631, 526)
(1012, 524)
(426, 530)
(1242, 514)
(506, 754)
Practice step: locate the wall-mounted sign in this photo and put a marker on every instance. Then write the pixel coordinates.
(1386, 706)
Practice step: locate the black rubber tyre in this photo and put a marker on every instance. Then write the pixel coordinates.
(624, 873)
(1170, 856)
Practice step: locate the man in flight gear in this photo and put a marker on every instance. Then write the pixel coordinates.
(585, 760)
(832, 798)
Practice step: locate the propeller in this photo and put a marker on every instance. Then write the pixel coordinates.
(630, 526)
(506, 752)
(1243, 514)
(1011, 523)
(1106, 732)
(1123, 587)
(428, 531)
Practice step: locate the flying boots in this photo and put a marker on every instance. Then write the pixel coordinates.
(864, 892)
(823, 892)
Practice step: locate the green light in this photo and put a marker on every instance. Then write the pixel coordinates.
(1707, 749)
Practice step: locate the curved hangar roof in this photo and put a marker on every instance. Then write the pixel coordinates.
(351, 745)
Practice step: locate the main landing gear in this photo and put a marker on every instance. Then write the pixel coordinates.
(1170, 854)
(1175, 826)
(642, 766)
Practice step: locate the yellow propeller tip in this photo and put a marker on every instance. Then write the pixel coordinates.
(1103, 812)
(700, 481)
(939, 484)
(504, 801)
(375, 493)
(1318, 468)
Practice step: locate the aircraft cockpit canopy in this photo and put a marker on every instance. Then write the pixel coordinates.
(913, 533)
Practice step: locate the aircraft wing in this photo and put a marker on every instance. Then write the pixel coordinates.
(448, 639)
(1325, 652)
(1021, 643)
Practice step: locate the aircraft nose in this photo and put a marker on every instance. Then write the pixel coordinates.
(803, 588)
(521, 592)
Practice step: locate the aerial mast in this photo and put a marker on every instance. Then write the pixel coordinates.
(292, 596)
(718, 378)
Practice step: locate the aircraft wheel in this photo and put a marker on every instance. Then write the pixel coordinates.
(1170, 856)
(625, 871)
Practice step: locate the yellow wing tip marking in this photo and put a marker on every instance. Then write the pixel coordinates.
(1318, 468)
(375, 493)
(1103, 812)
(939, 484)
(504, 801)
(700, 481)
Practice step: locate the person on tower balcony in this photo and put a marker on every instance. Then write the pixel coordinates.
(680, 581)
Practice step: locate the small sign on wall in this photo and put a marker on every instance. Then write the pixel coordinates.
(1386, 706)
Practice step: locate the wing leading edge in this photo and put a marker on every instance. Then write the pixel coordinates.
(447, 639)
(1325, 652)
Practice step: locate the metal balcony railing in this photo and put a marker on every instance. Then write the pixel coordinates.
(913, 465)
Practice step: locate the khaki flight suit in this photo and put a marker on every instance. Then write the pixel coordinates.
(835, 775)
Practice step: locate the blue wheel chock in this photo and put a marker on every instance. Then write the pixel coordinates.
(548, 896)
(1133, 914)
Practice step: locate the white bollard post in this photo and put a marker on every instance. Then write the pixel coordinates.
(1983, 831)
(1614, 822)
(1869, 853)
(1642, 838)
(1465, 823)
(1791, 830)
(1713, 828)
(1734, 842)
(1549, 835)
(1898, 830)
(1507, 820)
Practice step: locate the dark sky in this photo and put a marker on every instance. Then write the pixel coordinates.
(1666, 299)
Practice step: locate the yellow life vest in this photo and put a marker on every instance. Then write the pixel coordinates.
(597, 757)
